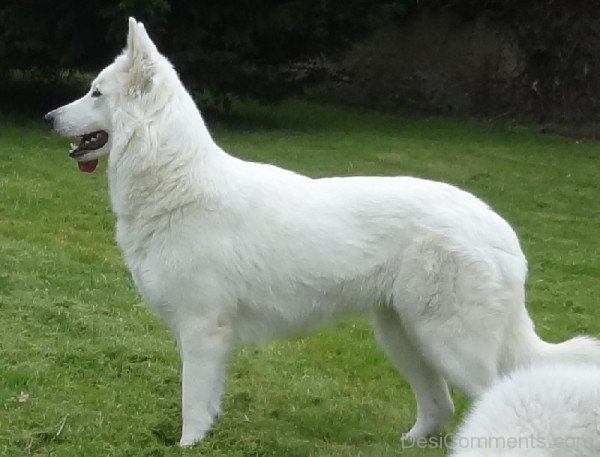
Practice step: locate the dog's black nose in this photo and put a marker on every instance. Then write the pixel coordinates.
(49, 118)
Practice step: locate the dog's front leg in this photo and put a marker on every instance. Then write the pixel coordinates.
(204, 344)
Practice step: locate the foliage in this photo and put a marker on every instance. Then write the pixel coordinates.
(69, 34)
(248, 48)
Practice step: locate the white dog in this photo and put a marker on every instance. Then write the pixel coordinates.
(542, 411)
(227, 250)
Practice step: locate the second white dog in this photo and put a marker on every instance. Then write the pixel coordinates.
(230, 250)
(544, 411)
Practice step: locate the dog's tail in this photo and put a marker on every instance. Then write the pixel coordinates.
(523, 347)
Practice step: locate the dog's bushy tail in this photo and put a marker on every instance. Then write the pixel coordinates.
(578, 349)
(523, 347)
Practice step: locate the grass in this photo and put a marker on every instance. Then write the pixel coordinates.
(87, 370)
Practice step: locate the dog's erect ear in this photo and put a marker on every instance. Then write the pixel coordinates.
(139, 44)
(141, 53)
(130, 35)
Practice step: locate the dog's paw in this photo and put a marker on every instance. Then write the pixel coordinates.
(188, 441)
(406, 438)
(195, 429)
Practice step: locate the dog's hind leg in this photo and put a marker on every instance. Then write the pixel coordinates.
(455, 307)
(205, 344)
(434, 404)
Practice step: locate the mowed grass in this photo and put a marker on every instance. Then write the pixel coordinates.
(87, 370)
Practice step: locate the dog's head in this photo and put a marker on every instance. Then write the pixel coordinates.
(130, 81)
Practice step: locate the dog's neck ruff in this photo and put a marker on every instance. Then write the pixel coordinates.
(163, 163)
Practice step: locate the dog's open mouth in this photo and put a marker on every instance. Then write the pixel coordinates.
(89, 143)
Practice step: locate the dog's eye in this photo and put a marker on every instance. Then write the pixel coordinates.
(96, 93)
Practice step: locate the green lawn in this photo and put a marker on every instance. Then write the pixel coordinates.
(87, 370)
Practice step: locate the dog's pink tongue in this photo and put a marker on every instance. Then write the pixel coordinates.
(89, 166)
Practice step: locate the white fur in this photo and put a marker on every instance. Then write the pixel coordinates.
(542, 411)
(228, 250)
